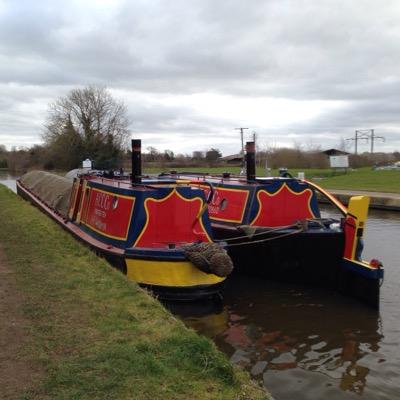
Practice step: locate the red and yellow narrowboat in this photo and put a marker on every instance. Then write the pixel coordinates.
(155, 231)
(274, 228)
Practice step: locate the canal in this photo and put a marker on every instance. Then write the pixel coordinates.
(305, 343)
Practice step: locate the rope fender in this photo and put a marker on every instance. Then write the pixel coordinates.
(210, 258)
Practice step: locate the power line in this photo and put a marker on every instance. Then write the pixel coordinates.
(365, 134)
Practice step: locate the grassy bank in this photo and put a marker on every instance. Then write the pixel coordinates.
(360, 179)
(97, 335)
(365, 179)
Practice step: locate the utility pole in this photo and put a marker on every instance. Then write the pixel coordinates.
(365, 134)
(373, 138)
(355, 142)
(359, 135)
(241, 137)
(243, 170)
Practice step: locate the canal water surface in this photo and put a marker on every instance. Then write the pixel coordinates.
(307, 343)
(8, 179)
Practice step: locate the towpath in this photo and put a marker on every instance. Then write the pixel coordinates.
(379, 200)
(16, 373)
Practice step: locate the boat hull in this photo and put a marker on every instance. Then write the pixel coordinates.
(168, 275)
(313, 258)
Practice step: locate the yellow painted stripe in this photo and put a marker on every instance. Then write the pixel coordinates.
(168, 273)
(358, 207)
(362, 263)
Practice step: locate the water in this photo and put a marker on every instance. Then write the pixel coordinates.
(306, 343)
(313, 344)
(8, 179)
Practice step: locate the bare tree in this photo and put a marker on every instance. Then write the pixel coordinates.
(88, 122)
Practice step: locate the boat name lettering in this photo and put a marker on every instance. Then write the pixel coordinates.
(103, 200)
(102, 226)
(214, 205)
(100, 213)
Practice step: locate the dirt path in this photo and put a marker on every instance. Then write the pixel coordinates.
(16, 374)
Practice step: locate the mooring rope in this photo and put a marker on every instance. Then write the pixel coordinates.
(272, 230)
(266, 239)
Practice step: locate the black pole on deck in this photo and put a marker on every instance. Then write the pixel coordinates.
(251, 161)
(136, 161)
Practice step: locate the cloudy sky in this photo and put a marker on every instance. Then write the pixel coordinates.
(297, 72)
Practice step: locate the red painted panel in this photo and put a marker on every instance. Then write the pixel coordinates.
(172, 220)
(227, 204)
(109, 214)
(349, 236)
(283, 207)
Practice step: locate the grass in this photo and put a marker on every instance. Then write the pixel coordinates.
(365, 179)
(360, 179)
(97, 335)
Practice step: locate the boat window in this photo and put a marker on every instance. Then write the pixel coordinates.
(115, 202)
(223, 204)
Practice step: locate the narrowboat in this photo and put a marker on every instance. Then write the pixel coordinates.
(273, 227)
(158, 232)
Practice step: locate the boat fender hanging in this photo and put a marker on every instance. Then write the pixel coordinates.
(210, 258)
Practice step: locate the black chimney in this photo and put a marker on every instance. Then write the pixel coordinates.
(251, 161)
(136, 161)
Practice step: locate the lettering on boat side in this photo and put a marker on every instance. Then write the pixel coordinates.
(100, 213)
(227, 204)
(214, 205)
(100, 225)
(109, 213)
(103, 200)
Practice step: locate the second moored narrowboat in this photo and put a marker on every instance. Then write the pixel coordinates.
(275, 228)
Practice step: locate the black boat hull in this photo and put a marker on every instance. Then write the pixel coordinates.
(313, 258)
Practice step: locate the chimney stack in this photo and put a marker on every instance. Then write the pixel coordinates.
(251, 161)
(136, 161)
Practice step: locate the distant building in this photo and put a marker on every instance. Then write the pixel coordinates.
(337, 158)
(234, 159)
(335, 152)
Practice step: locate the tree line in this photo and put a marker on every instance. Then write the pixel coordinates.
(90, 123)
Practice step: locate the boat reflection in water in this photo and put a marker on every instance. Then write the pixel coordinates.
(287, 337)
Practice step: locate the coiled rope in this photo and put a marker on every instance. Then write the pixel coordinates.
(210, 258)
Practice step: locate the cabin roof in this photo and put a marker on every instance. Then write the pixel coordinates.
(335, 152)
(232, 157)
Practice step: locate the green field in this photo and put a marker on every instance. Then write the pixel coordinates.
(94, 334)
(360, 179)
(365, 179)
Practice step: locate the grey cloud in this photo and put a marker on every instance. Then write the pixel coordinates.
(304, 50)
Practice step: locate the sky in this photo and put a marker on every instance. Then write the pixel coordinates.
(300, 73)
